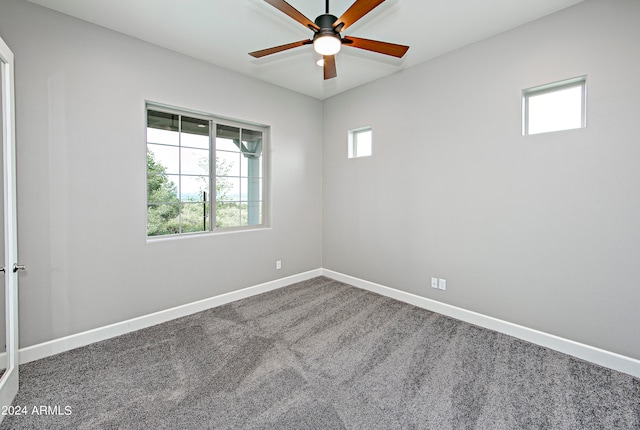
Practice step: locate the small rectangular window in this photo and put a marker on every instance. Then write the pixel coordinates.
(203, 173)
(360, 142)
(554, 107)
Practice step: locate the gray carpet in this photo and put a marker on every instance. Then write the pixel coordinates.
(322, 355)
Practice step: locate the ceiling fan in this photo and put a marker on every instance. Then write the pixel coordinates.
(327, 40)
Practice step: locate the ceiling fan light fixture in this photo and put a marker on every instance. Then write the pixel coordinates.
(327, 44)
(327, 28)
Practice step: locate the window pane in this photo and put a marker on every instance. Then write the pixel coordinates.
(195, 141)
(254, 189)
(244, 165)
(162, 120)
(163, 219)
(192, 188)
(165, 137)
(194, 161)
(228, 163)
(243, 213)
(195, 132)
(252, 143)
(162, 188)
(251, 213)
(363, 143)
(228, 188)
(195, 217)
(253, 167)
(227, 138)
(226, 145)
(244, 189)
(165, 157)
(554, 107)
(227, 214)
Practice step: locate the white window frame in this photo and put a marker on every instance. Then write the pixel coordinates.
(352, 142)
(580, 81)
(213, 122)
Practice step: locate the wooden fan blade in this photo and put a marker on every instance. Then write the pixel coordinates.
(329, 67)
(357, 10)
(376, 46)
(291, 11)
(280, 48)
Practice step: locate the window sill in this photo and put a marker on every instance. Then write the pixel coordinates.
(172, 237)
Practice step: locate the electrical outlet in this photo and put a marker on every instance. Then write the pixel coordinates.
(442, 284)
(434, 283)
(278, 265)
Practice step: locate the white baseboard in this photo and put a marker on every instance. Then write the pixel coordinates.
(589, 353)
(56, 346)
(585, 352)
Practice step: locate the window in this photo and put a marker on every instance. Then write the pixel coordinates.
(203, 173)
(554, 107)
(360, 142)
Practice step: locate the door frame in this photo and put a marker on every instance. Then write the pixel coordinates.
(9, 380)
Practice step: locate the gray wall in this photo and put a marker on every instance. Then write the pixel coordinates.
(81, 176)
(543, 230)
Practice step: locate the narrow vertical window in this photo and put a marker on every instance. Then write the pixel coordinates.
(360, 142)
(554, 107)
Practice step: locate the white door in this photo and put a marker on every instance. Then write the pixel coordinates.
(9, 254)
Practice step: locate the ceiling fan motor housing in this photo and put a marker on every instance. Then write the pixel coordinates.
(325, 22)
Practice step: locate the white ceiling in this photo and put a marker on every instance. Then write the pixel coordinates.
(222, 32)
